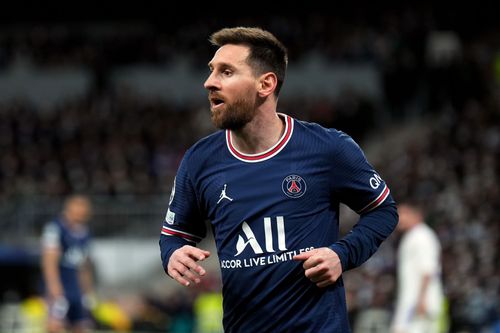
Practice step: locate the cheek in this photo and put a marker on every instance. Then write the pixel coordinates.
(240, 87)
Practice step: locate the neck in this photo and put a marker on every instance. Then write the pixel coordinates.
(260, 134)
(413, 225)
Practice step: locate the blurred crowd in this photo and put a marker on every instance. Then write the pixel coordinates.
(109, 145)
(439, 86)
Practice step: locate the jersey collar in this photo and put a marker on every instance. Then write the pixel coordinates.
(274, 150)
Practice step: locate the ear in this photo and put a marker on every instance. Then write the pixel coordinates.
(267, 84)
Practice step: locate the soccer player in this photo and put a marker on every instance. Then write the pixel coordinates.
(271, 185)
(66, 266)
(420, 292)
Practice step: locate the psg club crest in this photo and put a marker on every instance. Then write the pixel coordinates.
(294, 186)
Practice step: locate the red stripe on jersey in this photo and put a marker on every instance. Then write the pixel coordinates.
(375, 203)
(185, 235)
(267, 154)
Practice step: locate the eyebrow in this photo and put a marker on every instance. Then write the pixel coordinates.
(221, 64)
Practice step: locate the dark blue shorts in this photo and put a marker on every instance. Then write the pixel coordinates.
(76, 312)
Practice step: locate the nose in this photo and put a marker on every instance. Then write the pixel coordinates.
(211, 83)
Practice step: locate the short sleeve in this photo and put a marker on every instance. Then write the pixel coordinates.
(51, 236)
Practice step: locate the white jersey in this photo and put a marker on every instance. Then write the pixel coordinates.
(418, 255)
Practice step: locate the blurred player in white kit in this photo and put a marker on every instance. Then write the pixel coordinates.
(420, 292)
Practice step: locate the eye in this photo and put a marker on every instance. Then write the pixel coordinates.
(227, 72)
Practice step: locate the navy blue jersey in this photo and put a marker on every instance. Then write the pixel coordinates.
(265, 208)
(74, 248)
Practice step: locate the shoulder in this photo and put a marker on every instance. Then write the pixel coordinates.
(334, 140)
(423, 234)
(206, 146)
(320, 132)
(427, 232)
(204, 152)
(51, 234)
(52, 227)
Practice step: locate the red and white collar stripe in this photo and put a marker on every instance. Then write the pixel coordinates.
(274, 150)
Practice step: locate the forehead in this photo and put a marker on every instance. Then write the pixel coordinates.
(79, 203)
(231, 54)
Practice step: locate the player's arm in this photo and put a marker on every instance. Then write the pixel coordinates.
(366, 236)
(424, 284)
(323, 266)
(355, 183)
(360, 187)
(182, 229)
(51, 254)
(50, 269)
(426, 261)
(180, 259)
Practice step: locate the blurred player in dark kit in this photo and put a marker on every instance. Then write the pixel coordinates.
(66, 266)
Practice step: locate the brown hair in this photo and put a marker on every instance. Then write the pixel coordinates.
(267, 53)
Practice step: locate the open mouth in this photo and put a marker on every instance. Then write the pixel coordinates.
(216, 102)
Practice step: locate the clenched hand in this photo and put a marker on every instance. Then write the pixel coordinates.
(322, 266)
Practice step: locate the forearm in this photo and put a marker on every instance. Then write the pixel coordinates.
(366, 236)
(50, 269)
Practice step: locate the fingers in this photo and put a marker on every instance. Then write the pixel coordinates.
(205, 254)
(189, 276)
(321, 266)
(183, 266)
(192, 265)
(178, 277)
(304, 255)
(321, 275)
(182, 273)
(194, 252)
(310, 258)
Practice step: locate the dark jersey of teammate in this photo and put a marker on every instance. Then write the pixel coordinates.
(265, 208)
(74, 248)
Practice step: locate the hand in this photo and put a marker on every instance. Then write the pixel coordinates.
(322, 266)
(421, 308)
(58, 308)
(182, 265)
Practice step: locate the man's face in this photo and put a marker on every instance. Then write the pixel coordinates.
(408, 216)
(231, 88)
(78, 211)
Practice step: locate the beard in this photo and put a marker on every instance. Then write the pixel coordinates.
(234, 116)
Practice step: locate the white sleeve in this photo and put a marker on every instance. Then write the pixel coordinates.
(50, 236)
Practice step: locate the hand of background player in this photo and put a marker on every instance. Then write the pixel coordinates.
(182, 265)
(322, 266)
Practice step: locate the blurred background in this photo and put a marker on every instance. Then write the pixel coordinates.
(105, 102)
